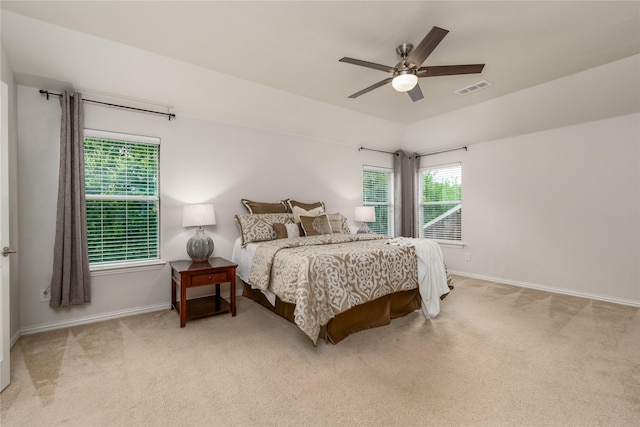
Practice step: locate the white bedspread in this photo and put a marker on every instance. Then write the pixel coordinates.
(432, 277)
(244, 258)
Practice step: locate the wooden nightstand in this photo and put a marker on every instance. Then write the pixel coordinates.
(188, 274)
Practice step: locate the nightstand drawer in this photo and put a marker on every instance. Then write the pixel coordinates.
(213, 278)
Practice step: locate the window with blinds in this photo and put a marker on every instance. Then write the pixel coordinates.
(377, 191)
(121, 187)
(440, 202)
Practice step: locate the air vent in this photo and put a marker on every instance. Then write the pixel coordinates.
(474, 87)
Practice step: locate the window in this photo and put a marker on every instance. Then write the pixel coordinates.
(440, 202)
(377, 191)
(121, 187)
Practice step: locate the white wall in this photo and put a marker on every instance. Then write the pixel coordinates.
(558, 209)
(535, 206)
(201, 161)
(610, 90)
(106, 67)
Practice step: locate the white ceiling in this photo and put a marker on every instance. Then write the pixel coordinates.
(294, 46)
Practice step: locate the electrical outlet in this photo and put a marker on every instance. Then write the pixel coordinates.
(45, 296)
(467, 256)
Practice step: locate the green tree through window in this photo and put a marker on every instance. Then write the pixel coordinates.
(121, 186)
(440, 203)
(377, 191)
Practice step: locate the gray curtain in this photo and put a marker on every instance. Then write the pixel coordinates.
(70, 283)
(405, 179)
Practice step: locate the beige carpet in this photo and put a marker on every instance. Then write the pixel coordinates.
(497, 355)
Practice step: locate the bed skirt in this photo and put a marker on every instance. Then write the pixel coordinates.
(372, 314)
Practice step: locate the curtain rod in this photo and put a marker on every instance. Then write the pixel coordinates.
(170, 115)
(443, 151)
(418, 155)
(378, 151)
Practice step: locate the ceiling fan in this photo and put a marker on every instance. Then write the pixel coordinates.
(408, 70)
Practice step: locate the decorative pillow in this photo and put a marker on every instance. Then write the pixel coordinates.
(264, 208)
(316, 225)
(298, 211)
(286, 231)
(339, 223)
(345, 225)
(259, 227)
(305, 206)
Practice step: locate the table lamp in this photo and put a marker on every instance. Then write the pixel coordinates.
(199, 246)
(365, 214)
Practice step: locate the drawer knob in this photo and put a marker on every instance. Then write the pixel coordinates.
(209, 277)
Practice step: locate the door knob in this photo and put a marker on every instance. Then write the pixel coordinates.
(6, 251)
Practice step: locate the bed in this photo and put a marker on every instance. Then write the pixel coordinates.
(330, 283)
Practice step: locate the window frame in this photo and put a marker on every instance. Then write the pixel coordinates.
(142, 264)
(390, 205)
(421, 204)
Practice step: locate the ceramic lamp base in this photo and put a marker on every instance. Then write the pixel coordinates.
(364, 229)
(200, 246)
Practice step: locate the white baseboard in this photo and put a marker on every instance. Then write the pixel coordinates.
(158, 307)
(14, 338)
(97, 318)
(91, 319)
(551, 289)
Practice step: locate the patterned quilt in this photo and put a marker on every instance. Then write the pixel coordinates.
(329, 274)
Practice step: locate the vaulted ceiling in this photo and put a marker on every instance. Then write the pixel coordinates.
(294, 46)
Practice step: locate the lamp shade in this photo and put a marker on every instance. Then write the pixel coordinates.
(198, 215)
(365, 214)
(404, 82)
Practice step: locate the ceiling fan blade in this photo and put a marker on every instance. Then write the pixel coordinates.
(449, 70)
(367, 64)
(417, 56)
(416, 93)
(372, 87)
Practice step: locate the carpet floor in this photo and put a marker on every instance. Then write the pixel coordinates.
(497, 355)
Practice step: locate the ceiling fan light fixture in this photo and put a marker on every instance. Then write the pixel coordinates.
(409, 69)
(404, 81)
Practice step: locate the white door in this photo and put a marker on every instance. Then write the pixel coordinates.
(5, 283)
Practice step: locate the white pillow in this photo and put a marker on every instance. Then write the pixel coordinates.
(292, 230)
(297, 211)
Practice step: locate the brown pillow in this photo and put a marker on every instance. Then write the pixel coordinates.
(263, 208)
(316, 225)
(305, 206)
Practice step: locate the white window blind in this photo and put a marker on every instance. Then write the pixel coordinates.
(440, 202)
(377, 191)
(121, 187)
